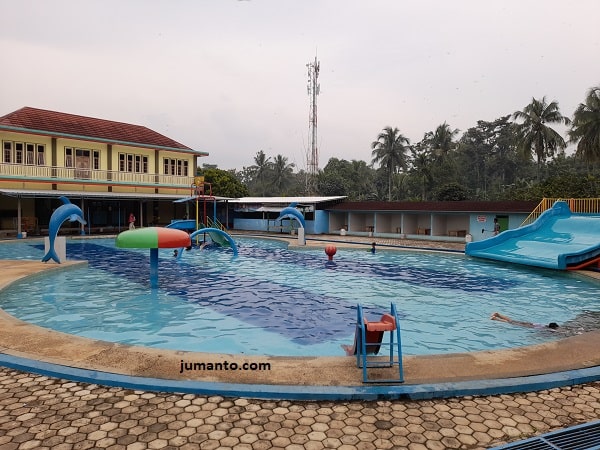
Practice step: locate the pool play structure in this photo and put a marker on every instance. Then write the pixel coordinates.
(153, 238)
(290, 212)
(558, 239)
(67, 211)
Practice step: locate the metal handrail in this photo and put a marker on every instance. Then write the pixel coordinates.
(214, 223)
(576, 205)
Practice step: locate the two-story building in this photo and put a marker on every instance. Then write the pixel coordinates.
(110, 169)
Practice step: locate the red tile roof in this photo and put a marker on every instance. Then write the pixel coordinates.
(58, 124)
(458, 206)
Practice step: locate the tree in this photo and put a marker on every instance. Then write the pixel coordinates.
(487, 160)
(585, 130)
(282, 174)
(261, 170)
(224, 183)
(389, 150)
(534, 135)
(440, 147)
(441, 141)
(451, 192)
(421, 169)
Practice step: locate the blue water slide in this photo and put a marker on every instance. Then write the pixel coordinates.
(186, 225)
(558, 239)
(218, 236)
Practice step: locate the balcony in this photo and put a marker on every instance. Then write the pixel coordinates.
(21, 172)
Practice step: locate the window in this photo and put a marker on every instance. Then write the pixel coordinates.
(7, 152)
(69, 162)
(41, 157)
(96, 161)
(179, 167)
(82, 163)
(19, 152)
(133, 163)
(29, 152)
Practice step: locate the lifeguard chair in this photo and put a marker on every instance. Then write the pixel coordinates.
(370, 339)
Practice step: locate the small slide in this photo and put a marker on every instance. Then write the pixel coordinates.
(558, 239)
(373, 335)
(186, 225)
(219, 237)
(374, 339)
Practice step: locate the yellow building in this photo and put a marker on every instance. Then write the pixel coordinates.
(110, 169)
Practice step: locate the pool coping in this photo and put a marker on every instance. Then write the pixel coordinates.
(24, 346)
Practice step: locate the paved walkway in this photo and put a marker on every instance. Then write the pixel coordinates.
(39, 412)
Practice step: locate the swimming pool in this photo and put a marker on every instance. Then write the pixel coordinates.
(274, 301)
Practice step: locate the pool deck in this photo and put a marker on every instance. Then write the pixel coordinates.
(456, 423)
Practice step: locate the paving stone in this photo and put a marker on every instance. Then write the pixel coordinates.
(43, 412)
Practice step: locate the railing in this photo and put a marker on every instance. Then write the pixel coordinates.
(576, 205)
(214, 223)
(57, 174)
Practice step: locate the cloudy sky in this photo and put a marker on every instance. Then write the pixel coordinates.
(229, 77)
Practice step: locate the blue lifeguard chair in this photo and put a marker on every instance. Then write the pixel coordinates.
(370, 340)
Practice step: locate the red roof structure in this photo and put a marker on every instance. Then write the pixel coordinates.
(58, 124)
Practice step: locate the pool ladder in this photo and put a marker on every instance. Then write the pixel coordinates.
(371, 338)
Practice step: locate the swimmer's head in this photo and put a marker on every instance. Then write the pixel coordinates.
(553, 325)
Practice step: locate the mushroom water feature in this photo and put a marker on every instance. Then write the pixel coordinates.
(153, 238)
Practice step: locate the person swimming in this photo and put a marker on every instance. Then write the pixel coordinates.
(502, 318)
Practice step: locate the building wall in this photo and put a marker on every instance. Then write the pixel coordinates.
(419, 225)
(64, 166)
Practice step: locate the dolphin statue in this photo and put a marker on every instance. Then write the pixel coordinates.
(292, 212)
(66, 211)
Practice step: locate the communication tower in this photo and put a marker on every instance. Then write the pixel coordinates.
(312, 156)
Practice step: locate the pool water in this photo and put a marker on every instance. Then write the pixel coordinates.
(274, 301)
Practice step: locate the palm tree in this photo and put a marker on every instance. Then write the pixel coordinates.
(442, 140)
(586, 127)
(534, 135)
(389, 150)
(282, 174)
(421, 168)
(261, 169)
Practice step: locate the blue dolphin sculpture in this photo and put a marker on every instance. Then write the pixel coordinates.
(66, 211)
(291, 212)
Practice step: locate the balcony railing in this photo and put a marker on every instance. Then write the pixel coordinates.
(89, 176)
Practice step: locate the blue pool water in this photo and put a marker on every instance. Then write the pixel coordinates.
(274, 301)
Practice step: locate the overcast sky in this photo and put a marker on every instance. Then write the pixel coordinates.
(229, 77)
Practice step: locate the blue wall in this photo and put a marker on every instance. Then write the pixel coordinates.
(261, 225)
(321, 223)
